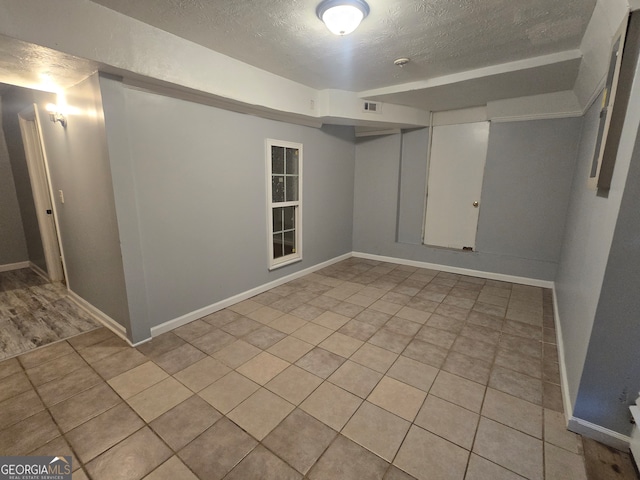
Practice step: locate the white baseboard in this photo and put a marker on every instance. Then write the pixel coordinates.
(14, 266)
(564, 380)
(461, 271)
(202, 312)
(99, 315)
(39, 271)
(600, 434)
(578, 425)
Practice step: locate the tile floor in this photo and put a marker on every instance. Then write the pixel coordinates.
(363, 370)
(34, 312)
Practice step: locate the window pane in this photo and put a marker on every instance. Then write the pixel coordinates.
(277, 219)
(278, 244)
(289, 218)
(292, 188)
(277, 160)
(277, 189)
(284, 166)
(289, 243)
(292, 161)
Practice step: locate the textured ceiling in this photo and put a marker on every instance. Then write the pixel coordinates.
(32, 66)
(441, 37)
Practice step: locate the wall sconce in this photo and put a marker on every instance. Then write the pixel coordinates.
(342, 16)
(55, 115)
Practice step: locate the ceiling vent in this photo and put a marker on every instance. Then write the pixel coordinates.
(372, 107)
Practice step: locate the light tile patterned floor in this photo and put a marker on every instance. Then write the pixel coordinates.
(364, 370)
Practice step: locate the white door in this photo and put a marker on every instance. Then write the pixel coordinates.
(456, 168)
(41, 193)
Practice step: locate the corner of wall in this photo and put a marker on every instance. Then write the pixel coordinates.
(608, 15)
(574, 424)
(126, 204)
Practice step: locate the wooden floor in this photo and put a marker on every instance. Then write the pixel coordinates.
(34, 313)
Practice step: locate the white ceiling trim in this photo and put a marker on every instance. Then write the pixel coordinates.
(536, 107)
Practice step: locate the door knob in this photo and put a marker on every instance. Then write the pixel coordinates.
(475, 204)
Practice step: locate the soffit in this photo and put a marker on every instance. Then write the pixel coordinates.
(442, 37)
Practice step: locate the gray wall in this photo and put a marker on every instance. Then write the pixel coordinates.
(126, 203)
(199, 195)
(597, 281)
(13, 246)
(526, 189)
(376, 195)
(13, 102)
(525, 195)
(588, 234)
(610, 381)
(79, 165)
(413, 180)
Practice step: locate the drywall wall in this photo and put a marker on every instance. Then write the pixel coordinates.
(124, 190)
(199, 178)
(609, 382)
(13, 246)
(79, 166)
(587, 240)
(593, 289)
(527, 184)
(13, 102)
(413, 180)
(526, 188)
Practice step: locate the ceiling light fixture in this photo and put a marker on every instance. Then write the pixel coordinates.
(342, 16)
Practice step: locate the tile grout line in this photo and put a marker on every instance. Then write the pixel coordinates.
(362, 400)
(53, 419)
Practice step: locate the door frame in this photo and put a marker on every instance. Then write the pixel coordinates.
(41, 187)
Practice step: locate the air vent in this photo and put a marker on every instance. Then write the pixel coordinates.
(372, 107)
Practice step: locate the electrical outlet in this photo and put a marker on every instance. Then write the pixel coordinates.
(61, 194)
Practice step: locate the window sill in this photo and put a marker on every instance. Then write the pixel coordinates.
(285, 262)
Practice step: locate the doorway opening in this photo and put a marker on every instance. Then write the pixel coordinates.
(42, 195)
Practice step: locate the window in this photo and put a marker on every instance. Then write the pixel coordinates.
(284, 200)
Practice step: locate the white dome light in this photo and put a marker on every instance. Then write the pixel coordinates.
(342, 16)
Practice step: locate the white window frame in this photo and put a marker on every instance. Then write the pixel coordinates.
(297, 256)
